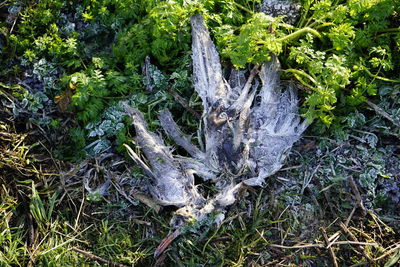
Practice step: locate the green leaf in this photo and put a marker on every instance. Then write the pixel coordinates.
(342, 36)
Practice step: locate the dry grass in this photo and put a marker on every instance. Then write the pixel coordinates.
(309, 214)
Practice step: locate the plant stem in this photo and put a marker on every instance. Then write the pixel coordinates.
(382, 112)
(380, 77)
(297, 33)
(324, 25)
(304, 13)
(304, 83)
(387, 30)
(302, 73)
(243, 8)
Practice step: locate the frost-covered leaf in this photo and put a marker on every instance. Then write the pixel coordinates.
(99, 146)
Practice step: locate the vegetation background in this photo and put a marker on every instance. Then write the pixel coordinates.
(67, 68)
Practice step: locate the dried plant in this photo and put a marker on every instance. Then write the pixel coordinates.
(248, 129)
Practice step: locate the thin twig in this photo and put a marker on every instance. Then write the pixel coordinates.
(337, 243)
(58, 246)
(382, 113)
(355, 243)
(80, 210)
(348, 168)
(331, 252)
(362, 233)
(326, 195)
(13, 25)
(166, 242)
(374, 217)
(332, 239)
(249, 82)
(177, 97)
(357, 194)
(378, 221)
(97, 258)
(51, 156)
(297, 246)
(350, 216)
(354, 238)
(387, 253)
(290, 168)
(307, 179)
(184, 103)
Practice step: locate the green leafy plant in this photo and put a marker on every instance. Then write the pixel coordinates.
(339, 50)
(88, 55)
(42, 212)
(12, 250)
